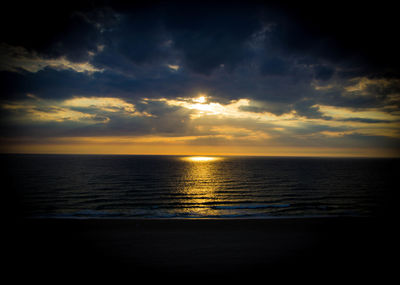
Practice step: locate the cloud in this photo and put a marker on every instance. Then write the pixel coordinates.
(107, 104)
(48, 83)
(244, 73)
(323, 72)
(73, 32)
(275, 66)
(51, 114)
(211, 36)
(15, 59)
(174, 67)
(85, 110)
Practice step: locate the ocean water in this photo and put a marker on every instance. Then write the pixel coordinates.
(107, 186)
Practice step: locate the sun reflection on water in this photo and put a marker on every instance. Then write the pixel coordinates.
(200, 181)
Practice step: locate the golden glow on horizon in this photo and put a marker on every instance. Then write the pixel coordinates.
(187, 149)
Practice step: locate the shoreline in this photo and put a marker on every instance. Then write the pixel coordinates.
(209, 247)
(211, 218)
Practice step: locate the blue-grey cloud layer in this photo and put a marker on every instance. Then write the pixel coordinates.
(284, 57)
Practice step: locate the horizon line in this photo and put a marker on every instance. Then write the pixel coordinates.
(201, 155)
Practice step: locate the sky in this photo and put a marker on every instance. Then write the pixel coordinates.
(200, 78)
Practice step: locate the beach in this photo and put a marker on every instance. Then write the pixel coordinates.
(233, 248)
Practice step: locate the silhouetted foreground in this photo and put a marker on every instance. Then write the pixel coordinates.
(290, 248)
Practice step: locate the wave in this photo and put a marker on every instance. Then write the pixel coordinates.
(257, 206)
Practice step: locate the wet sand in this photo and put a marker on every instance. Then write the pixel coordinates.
(285, 248)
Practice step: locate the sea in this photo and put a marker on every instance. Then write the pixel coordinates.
(196, 187)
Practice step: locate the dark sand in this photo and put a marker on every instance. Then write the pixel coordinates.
(281, 248)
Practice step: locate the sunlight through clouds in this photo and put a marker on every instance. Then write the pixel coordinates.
(202, 106)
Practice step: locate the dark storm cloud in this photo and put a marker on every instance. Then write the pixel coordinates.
(138, 38)
(344, 33)
(207, 34)
(211, 35)
(275, 66)
(307, 109)
(68, 28)
(323, 72)
(46, 83)
(49, 30)
(204, 36)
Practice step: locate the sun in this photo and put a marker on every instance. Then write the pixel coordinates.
(201, 99)
(200, 158)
